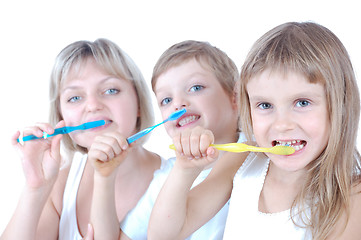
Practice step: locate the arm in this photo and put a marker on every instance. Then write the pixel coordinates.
(179, 212)
(41, 162)
(106, 154)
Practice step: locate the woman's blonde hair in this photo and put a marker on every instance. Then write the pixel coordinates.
(319, 55)
(205, 54)
(113, 61)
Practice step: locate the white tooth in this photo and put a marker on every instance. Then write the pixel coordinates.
(298, 141)
(289, 143)
(296, 148)
(294, 141)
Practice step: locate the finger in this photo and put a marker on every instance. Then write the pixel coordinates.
(45, 127)
(177, 144)
(185, 142)
(101, 151)
(55, 147)
(206, 139)
(195, 142)
(15, 137)
(212, 154)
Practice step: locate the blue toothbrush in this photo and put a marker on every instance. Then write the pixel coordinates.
(65, 130)
(172, 117)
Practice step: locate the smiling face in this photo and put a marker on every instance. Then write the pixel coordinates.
(196, 89)
(90, 94)
(288, 109)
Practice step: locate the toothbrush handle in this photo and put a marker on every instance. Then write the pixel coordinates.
(57, 131)
(239, 147)
(139, 134)
(145, 131)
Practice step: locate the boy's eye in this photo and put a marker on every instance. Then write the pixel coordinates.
(112, 91)
(196, 88)
(264, 105)
(74, 99)
(165, 101)
(302, 103)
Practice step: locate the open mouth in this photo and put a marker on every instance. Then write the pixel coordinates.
(296, 144)
(187, 120)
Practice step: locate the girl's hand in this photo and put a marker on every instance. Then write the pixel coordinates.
(193, 148)
(40, 158)
(107, 152)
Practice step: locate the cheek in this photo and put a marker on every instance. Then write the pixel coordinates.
(259, 126)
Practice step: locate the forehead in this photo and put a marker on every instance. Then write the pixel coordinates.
(184, 72)
(279, 83)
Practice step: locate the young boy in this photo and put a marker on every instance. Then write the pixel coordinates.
(200, 78)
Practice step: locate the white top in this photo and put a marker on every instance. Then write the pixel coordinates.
(244, 219)
(68, 226)
(135, 224)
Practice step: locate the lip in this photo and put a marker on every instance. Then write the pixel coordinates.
(187, 119)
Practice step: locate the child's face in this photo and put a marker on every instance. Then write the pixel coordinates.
(287, 109)
(196, 89)
(90, 95)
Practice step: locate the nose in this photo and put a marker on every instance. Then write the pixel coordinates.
(93, 103)
(180, 102)
(284, 122)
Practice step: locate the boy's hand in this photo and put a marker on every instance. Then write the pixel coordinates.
(193, 148)
(107, 152)
(40, 158)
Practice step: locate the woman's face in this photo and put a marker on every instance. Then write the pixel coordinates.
(91, 94)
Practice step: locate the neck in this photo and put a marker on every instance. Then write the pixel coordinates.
(137, 160)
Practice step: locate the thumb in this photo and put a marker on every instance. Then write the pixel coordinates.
(55, 142)
(212, 154)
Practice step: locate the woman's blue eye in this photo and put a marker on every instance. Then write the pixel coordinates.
(196, 88)
(165, 101)
(112, 91)
(74, 99)
(264, 105)
(302, 103)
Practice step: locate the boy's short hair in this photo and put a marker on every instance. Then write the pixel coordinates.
(113, 61)
(207, 55)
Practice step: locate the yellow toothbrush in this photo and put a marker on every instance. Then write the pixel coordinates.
(241, 147)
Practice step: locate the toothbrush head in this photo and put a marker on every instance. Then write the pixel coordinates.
(175, 115)
(282, 150)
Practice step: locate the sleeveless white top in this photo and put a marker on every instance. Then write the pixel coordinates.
(244, 220)
(68, 226)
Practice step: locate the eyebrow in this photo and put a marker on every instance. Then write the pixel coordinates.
(76, 86)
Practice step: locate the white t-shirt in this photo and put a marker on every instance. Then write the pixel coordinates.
(135, 224)
(244, 220)
(68, 225)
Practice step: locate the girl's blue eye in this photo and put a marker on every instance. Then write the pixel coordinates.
(74, 99)
(302, 103)
(265, 105)
(112, 91)
(196, 88)
(165, 101)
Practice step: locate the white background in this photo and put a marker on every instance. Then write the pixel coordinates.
(34, 32)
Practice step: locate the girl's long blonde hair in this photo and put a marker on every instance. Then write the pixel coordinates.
(319, 55)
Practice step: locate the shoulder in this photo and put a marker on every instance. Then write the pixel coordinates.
(352, 228)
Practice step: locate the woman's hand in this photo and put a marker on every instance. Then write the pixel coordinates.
(40, 158)
(107, 152)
